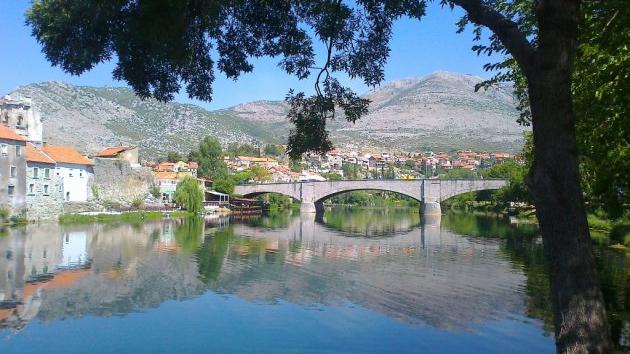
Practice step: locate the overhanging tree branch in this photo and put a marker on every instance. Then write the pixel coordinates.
(507, 30)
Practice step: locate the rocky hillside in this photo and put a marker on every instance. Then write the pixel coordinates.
(439, 111)
(90, 118)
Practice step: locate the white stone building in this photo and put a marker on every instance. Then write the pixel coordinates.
(73, 169)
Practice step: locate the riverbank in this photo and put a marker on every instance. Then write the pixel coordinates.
(131, 216)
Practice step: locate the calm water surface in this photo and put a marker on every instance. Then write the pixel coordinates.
(354, 281)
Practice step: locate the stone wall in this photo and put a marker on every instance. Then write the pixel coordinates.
(116, 181)
(44, 197)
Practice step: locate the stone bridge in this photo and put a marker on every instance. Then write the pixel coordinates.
(429, 192)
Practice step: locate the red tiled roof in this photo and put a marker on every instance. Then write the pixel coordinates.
(165, 167)
(113, 151)
(33, 154)
(193, 165)
(8, 134)
(66, 154)
(165, 175)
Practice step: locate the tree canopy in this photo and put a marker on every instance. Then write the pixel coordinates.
(209, 156)
(189, 195)
(274, 150)
(236, 149)
(600, 97)
(174, 156)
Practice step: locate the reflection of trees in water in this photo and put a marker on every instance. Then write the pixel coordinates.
(189, 234)
(273, 219)
(525, 251)
(211, 254)
(614, 277)
(382, 222)
(486, 226)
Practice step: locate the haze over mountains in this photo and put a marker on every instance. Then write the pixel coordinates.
(440, 111)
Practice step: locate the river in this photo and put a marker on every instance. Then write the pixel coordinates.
(352, 281)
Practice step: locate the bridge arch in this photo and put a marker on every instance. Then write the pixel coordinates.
(293, 190)
(326, 190)
(322, 197)
(255, 194)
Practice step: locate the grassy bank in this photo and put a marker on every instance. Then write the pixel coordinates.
(134, 216)
(6, 219)
(617, 231)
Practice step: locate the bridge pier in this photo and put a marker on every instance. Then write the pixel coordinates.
(430, 208)
(308, 207)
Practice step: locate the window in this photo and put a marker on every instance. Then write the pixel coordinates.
(31, 188)
(18, 150)
(45, 189)
(11, 190)
(5, 118)
(13, 171)
(35, 172)
(81, 174)
(4, 149)
(47, 173)
(20, 121)
(71, 173)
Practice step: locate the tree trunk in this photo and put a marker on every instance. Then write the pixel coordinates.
(579, 310)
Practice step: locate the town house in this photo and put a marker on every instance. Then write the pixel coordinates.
(44, 195)
(74, 171)
(12, 170)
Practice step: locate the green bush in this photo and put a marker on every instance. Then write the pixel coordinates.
(4, 214)
(224, 185)
(137, 203)
(189, 195)
(155, 192)
(110, 204)
(18, 219)
(620, 233)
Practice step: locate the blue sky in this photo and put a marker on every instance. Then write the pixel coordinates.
(417, 48)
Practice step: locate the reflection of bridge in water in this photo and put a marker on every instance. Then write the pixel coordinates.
(424, 274)
(429, 192)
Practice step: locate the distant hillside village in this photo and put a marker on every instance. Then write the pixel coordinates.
(41, 181)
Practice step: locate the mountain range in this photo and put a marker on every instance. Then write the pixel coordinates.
(440, 111)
